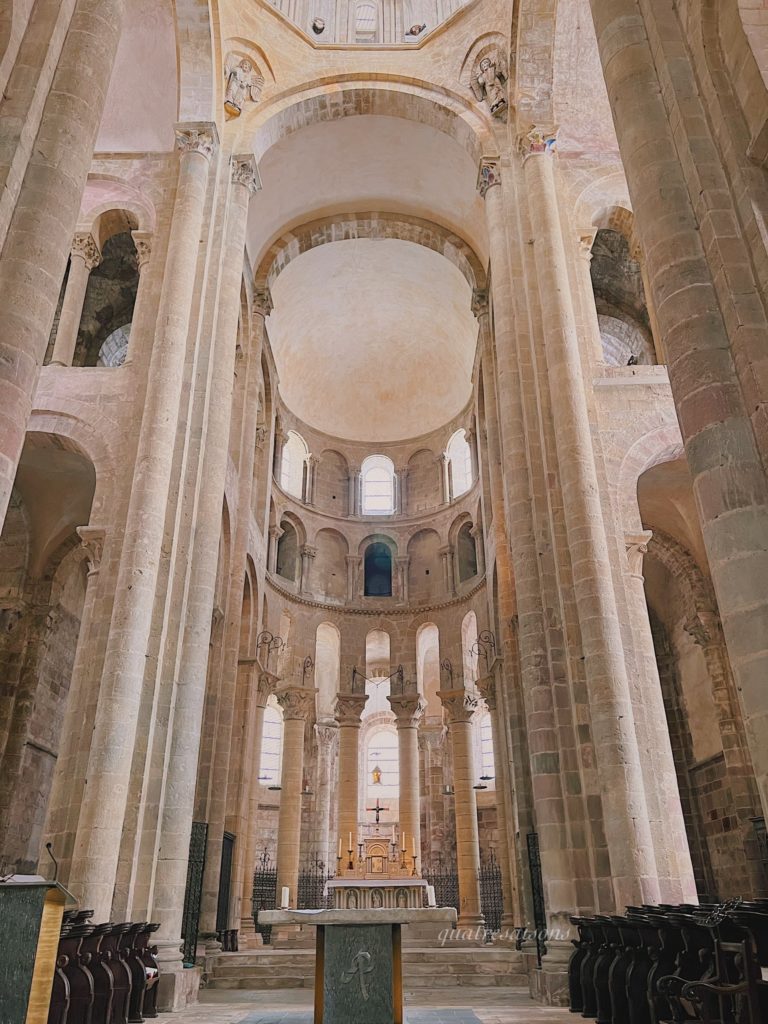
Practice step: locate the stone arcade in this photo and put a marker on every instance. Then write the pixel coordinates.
(383, 493)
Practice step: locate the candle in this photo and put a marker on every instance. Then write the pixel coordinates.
(431, 902)
(284, 898)
(350, 841)
(413, 845)
(404, 842)
(339, 848)
(394, 836)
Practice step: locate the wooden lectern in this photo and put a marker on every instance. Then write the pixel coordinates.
(31, 911)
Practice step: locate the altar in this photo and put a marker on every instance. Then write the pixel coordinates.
(358, 964)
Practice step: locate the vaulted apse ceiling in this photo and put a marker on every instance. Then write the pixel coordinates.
(374, 339)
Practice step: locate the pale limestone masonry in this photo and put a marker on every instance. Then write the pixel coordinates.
(539, 617)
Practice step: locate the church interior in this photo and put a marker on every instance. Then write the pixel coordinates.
(384, 508)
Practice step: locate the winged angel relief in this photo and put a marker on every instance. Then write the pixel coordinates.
(489, 83)
(243, 83)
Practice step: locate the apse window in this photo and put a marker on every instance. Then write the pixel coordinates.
(378, 570)
(365, 23)
(295, 454)
(378, 473)
(460, 463)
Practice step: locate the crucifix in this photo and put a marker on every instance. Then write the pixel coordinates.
(377, 810)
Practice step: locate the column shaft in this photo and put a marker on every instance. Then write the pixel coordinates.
(97, 844)
(84, 258)
(176, 820)
(409, 709)
(247, 926)
(40, 232)
(349, 709)
(296, 704)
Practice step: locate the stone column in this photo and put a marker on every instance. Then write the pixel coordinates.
(181, 769)
(446, 554)
(625, 808)
(409, 708)
(477, 536)
(311, 487)
(281, 439)
(460, 707)
(402, 490)
(327, 735)
(349, 710)
(297, 703)
(445, 477)
(247, 933)
(84, 257)
(275, 533)
(719, 395)
(432, 743)
(307, 558)
(97, 844)
(353, 567)
(509, 882)
(403, 563)
(354, 490)
(34, 254)
(143, 241)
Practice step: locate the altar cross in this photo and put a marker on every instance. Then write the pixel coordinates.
(377, 810)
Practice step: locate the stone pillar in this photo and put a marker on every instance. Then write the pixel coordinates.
(401, 476)
(460, 707)
(509, 881)
(445, 477)
(97, 844)
(281, 439)
(143, 242)
(625, 813)
(181, 769)
(275, 533)
(403, 563)
(84, 257)
(353, 568)
(247, 934)
(297, 703)
(354, 490)
(327, 735)
(446, 554)
(409, 708)
(667, 826)
(477, 536)
(312, 463)
(34, 253)
(307, 558)
(432, 744)
(719, 395)
(592, 324)
(349, 710)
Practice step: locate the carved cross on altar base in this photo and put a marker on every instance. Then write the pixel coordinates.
(377, 810)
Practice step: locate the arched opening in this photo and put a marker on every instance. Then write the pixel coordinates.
(378, 482)
(271, 744)
(459, 454)
(366, 18)
(482, 747)
(327, 666)
(622, 312)
(469, 649)
(293, 465)
(466, 553)
(428, 666)
(288, 551)
(382, 765)
(378, 570)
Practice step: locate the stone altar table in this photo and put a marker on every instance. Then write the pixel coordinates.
(358, 966)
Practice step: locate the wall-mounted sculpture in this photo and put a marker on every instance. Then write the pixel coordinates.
(489, 83)
(244, 83)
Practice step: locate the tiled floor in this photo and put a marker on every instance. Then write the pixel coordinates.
(471, 1006)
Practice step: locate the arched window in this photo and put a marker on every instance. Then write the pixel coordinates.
(460, 460)
(382, 767)
(115, 348)
(271, 744)
(287, 551)
(468, 641)
(294, 460)
(327, 655)
(378, 570)
(466, 553)
(378, 477)
(482, 742)
(428, 666)
(365, 22)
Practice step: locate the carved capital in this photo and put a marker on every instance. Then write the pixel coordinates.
(459, 705)
(84, 246)
(197, 137)
(92, 539)
(262, 302)
(487, 689)
(349, 708)
(637, 546)
(586, 241)
(702, 628)
(538, 139)
(143, 242)
(408, 709)
(327, 735)
(432, 737)
(480, 304)
(308, 551)
(488, 175)
(297, 702)
(265, 688)
(246, 173)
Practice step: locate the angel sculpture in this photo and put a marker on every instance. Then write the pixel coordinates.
(243, 83)
(488, 84)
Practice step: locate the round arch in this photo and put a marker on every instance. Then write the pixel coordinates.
(664, 444)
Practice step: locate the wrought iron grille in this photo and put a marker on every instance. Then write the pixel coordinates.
(311, 894)
(264, 892)
(445, 879)
(193, 894)
(537, 887)
(491, 895)
(225, 882)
